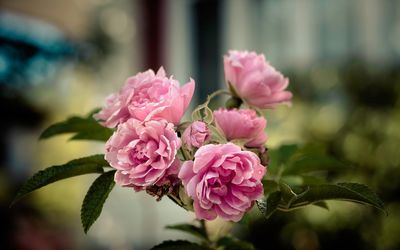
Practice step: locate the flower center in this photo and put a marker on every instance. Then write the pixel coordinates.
(150, 93)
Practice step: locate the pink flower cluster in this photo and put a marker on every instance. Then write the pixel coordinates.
(222, 179)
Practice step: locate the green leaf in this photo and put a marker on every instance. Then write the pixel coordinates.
(269, 205)
(230, 243)
(280, 156)
(85, 165)
(321, 204)
(311, 162)
(84, 128)
(95, 198)
(246, 219)
(233, 102)
(270, 186)
(179, 245)
(288, 195)
(189, 228)
(216, 134)
(312, 180)
(354, 192)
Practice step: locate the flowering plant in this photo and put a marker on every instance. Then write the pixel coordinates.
(215, 165)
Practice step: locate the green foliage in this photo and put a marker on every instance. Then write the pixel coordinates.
(190, 229)
(321, 204)
(85, 165)
(294, 160)
(179, 245)
(270, 186)
(286, 199)
(217, 136)
(231, 243)
(83, 128)
(312, 162)
(233, 102)
(95, 198)
(291, 185)
(270, 204)
(341, 191)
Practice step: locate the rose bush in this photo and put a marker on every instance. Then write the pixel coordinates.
(254, 80)
(223, 181)
(242, 124)
(147, 96)
(144, 153)
(224, 177)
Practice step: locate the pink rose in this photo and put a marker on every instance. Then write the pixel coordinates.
(222, 181)
(195, 135)
(147, 96)
(242, 124)
(255, 80)
(143, 153)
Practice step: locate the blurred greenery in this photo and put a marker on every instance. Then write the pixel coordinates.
(352, 113)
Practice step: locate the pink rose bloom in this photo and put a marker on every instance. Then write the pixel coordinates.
(143, 153)
(242, 124)
(255, 80)
(222, 181)
(195, 135)
(147, 96)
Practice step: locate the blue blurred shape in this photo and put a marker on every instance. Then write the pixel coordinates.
(31, 50)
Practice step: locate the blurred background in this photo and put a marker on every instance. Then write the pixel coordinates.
(62, 58)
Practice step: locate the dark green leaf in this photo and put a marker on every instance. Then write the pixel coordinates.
(312, 180)
(270, 204)
(179, 245)
(306, 163)
(287, 151)
(84, 128)
(85, 165)
(230, 243)
(342, 191)
(245, 220)
(288, 195)
(270, 186)
(189, 228)
(302, 180)
(292, 180)
(95, 198)
(233, 102)
(321, 204)
(280, 156)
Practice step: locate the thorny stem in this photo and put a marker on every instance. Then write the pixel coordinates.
(204, 105)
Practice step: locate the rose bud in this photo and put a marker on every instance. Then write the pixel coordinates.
(195, 135)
